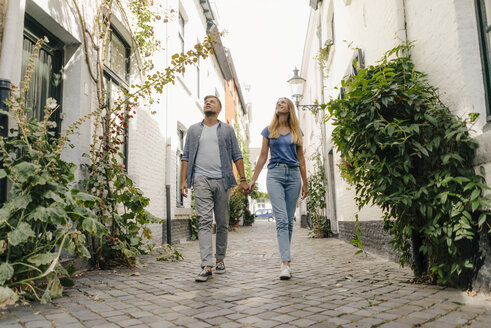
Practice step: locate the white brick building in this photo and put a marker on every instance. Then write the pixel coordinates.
(451, 46)
(155, 141)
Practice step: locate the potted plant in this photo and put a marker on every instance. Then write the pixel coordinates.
(236, 207)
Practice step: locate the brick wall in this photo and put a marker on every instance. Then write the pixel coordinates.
(180, 230)
(373, 237)
(376, 240)
(482, 280)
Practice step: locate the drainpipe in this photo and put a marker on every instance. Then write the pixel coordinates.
(167, 229)
(10, 66)
(420, 261)
(401, 32)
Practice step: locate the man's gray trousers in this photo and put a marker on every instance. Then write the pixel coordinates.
(210, 196)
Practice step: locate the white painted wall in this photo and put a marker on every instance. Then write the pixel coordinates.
(446, 48)
(153, 139)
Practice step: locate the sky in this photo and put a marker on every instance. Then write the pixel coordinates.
(266, 39)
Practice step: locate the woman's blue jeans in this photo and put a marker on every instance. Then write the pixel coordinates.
(283, 184)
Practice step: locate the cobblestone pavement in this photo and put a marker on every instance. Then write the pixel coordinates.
(331, 287)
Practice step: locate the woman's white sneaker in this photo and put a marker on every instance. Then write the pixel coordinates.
(286, 272)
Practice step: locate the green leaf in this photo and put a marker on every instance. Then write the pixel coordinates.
(475, 205)
(54, 196)
(20, 202)
(24, 170)
(444, 196)
(53, 290)
(6, 272)
(82, 197)
(475, 194)
(3, 174)
(482, 219)
(20, 234)
(93, 227)
(7, 297)
(4, 215)
(42, 259)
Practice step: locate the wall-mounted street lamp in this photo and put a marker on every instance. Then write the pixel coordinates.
(296, 87)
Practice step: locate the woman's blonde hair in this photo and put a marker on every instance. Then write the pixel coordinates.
(292, 123)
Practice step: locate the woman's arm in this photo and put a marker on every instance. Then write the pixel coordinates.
(263, 156)
(303, 171)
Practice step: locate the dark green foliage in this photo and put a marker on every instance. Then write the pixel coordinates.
(411, 156)
(194, 219)
(316, 200)
(44, 215)
(236, 206)
(121, 208)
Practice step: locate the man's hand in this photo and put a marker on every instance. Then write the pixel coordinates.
(244, 187)
(184, 189)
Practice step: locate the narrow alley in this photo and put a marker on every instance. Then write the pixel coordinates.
(331, 287)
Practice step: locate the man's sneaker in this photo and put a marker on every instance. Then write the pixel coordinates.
(220, 267)
(203, 275)
(286, 272)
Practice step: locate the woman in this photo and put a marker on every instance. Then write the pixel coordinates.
(286, 167)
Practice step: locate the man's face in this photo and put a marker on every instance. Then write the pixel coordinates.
(211, 107)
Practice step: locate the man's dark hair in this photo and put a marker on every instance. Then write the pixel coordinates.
(218, 99)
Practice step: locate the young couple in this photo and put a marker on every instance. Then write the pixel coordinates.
(211, 147)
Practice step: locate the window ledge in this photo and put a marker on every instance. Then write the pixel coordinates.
(183, 211)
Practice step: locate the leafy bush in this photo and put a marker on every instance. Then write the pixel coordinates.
(194, 219)
(236, 206)
(121, 209)
(412, 157)
(316, 200)
(43, 216)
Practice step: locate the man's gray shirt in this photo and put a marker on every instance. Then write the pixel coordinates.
(227, 145)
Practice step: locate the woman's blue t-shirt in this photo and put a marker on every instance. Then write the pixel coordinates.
(282, 149)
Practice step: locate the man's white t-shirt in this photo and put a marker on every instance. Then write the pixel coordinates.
(207, 162)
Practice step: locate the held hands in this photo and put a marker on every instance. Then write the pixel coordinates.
(250, 187)
(244, 187)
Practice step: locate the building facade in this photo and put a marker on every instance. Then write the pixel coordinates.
(451, 45)
(155, 141)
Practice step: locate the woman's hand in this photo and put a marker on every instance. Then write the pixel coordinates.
(305, 190)
(251, 186)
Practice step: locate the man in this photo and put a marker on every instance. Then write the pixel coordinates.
(211, 147)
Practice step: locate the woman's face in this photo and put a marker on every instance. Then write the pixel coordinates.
(282, 106)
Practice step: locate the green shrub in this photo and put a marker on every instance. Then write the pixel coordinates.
(413, 158)
(44, 214)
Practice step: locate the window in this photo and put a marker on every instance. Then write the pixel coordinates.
(117, 58)
(116, 78)
(180, 149)
(357, 63)
(47, 78)
(483, 9)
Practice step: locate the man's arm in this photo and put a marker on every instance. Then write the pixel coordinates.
(184, 172)
(236, 152)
